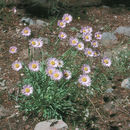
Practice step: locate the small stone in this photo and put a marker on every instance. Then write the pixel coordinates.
(24, 118)
(45, 40)
(97, 20)
(109, 90)
(126, 83)
(51, 125)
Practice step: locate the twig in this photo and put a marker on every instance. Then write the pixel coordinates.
(95, 109)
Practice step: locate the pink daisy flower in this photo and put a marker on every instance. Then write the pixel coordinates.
(49, 71)
(17, 65)
(67, 18)
(106, 62)
(80, 46)
(27, 90)
(33, 42)
(83, 30)
(34, 66)
(98, 35)
(13, 49)
(88, 52)
(73, 41)
(86, 69)
(84, 80)
(89, 29)
(26, 31)
(39, 42)
(56, 75)
(67, 74)
(96, 53)
(61, 24)
(94, 43)
(87, 37)
(62, 35)
(60, 63)
(52, 62)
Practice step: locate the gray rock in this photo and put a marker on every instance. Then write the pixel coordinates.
(123, 30)
(45, 40)
(126, 83)
(45, 125)
(4, 112)
(109, 90)
(31, 22)
(108, 38)
(41, 23)
(25, 20)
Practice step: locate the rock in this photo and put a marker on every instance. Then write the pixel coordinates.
(45, 40)
(45, 125)
(38, 22)
(108, 38)
(123, 30)
(126, 83)
(41, 23)
(26, 20)
(83, 2)
(109, 90)
(4, 112)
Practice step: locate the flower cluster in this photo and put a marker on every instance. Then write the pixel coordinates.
(66, 19)
(53, 72)
(88, 43)
(36, 42)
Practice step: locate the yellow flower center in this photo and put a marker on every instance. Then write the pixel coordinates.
(61, 24)
(85, 68)
(34, 66)
(50, 71)
(98, 35)
(86, 37)
(17, 65)
(56, 75)
(84, 79)
(33, 43)
(52, 62)
(27, 90)
(25, 31)
(89, 52)
(62, 35)
(12, 49)
(67, 18)
(73, 41)
(94, 43)
(106, 61)
(79, 45)
(84, 30)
